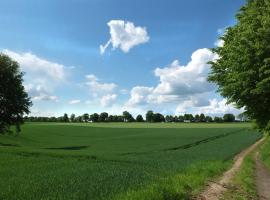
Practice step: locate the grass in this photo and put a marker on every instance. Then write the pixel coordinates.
(243, 185)
(117, 161)
(265, 152)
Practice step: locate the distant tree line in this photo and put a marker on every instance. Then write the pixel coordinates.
(127, 117)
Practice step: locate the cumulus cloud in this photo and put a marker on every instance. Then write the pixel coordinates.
(139, 95)
(98, 87)
(75, 101)
(214, 107)
(102, 93)
(41, 75)
(219, 107)
(177, 82)
(31, 63)
(182, 88)
(125, 35)
(39, 93)
(108, 100)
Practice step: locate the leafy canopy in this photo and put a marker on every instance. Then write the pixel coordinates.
(242, 71)
(14, 101)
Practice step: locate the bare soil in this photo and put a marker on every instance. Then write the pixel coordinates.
(262, 179)
(214, 190)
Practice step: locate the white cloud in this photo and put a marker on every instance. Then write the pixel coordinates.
(177, 82)
(75, 101)
(41, 76)
(219, 107)
(31, 63)
(221, 32)
(102, 93)
(181, 89)
(219, 43)
(39, 93)
(139, 95)
(45, 97)
(98, 87)
(125, 35)
(108, 100)
(214, 107)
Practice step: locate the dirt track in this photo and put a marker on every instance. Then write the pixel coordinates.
(215, 190)
(262, 179)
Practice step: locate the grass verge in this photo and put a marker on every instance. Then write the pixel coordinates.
(183, 186)
(243, 185)
(265, 152)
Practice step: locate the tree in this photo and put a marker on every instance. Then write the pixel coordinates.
(228, 118)
(72, 117)
(189, 117)
(149, 116)
(208, 119)
(242, 70)
(79, 119)
(197, 118)
(14, 101)
(202, 117)
(94, 117)
(169, 118)
(128, 117)
(157, 117)
(181, 118)
(103, 117)
(139, 118)
(65, 118)
(85, 117)
(218, 119)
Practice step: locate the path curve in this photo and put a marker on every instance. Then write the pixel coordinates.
(262, 179)
(215, 190)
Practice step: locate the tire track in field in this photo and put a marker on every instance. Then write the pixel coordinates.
(206, 140)
(189, 145)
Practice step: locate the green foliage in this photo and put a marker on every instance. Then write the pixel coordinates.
(103, 117)
(116, 160)
(65, 118)
(14, 101)
(139, 118)
(72, 117)
(242, 71)
(149, 116)
(94, 117)
(228, 118)
(85, 117)
(218, 119)
(154, 117)
(128, 117)
(265, 152)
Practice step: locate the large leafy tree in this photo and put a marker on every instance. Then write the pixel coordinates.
(242, 71)
(14, 101)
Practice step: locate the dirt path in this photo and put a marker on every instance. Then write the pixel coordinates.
(215, 190)
(262, 179)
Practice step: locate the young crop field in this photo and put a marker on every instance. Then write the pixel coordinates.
(117, 160)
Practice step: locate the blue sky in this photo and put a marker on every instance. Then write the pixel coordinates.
(147, 64)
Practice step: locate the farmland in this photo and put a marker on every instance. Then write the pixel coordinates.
(117, 160)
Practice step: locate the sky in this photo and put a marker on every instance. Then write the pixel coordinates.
(86, 56)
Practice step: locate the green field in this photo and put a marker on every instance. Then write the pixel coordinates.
(116, 160)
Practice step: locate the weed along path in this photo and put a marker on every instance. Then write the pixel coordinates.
(262, 179)
(215, 190)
